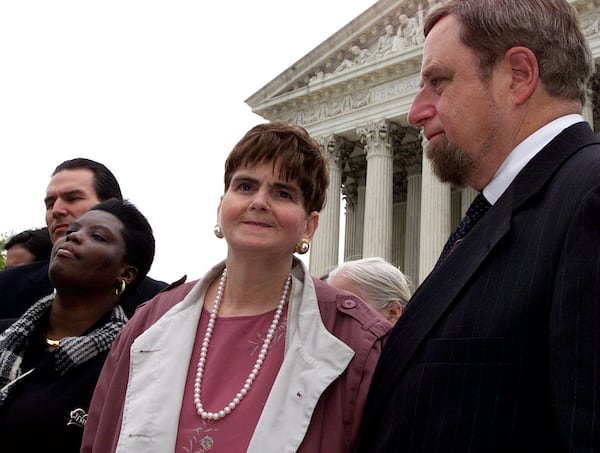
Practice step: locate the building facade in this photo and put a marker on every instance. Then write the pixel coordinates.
(352, 93)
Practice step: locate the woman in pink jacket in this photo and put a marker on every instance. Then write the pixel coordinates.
(257, 356)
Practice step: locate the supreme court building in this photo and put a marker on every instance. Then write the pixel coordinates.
(352, 93)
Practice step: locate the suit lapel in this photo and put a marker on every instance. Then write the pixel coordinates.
(440, 289)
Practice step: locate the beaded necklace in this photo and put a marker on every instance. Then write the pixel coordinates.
(259, 360)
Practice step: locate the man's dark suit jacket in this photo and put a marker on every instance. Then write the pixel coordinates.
(22, 286)
(499, 349)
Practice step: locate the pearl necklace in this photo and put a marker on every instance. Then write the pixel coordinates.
(259, 360)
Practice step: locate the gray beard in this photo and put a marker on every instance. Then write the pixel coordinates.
(450, 163)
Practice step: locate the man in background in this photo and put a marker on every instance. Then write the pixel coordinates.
(499, 349)
(75, 186)
(27, 247)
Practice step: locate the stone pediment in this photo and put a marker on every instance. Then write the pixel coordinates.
(375, 57)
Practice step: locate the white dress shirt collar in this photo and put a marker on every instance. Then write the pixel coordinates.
(523, 153)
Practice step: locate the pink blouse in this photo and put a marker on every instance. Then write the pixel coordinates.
(234, 346)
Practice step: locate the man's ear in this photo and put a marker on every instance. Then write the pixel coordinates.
(525, 73)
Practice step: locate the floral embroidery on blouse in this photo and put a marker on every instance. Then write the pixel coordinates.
(200, 441)
(260, 338)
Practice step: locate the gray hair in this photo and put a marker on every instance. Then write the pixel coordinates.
(379, 280)
(549, 28)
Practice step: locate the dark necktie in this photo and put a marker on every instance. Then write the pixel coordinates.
(478, 208)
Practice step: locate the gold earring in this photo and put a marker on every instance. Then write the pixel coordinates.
(302, 246)
(120, 290)
(218, 231)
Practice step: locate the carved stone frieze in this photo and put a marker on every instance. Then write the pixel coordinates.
(330, 109)
(337, 106)
(396, 34)
(358, 99)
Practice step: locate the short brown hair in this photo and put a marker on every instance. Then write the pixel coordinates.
(549, 28)
(290, 149)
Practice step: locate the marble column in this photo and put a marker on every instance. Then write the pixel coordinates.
(435, 218)
(359, 220)
(399, 209)
(350, 196)
(350, 232)
(325, 244)
(399, 225)
(413, 221)
(354, 196)
(379, 139)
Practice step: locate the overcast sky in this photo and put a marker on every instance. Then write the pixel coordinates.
(155, 90)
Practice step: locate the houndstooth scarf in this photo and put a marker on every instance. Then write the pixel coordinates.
(71, 352)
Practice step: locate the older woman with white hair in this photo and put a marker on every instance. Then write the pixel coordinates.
(379, 283)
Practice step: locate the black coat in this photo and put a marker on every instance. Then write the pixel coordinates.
(43, 412)
(22, 286)
(498, 351)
